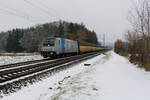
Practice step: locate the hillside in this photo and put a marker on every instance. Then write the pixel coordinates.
(29, 39)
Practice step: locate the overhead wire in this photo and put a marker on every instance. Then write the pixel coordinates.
(40, 8)
(15, 14)
(26, 16)
(44, 5)
(13, 9)
(22, 13)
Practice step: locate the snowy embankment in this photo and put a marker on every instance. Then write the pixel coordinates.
(14, 59)
(110, 77)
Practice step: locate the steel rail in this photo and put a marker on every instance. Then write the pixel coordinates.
(14, 73)
(21, 63)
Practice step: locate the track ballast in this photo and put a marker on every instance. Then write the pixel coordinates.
(18, 71)
(16, 74)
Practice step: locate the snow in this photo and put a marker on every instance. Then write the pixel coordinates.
(14, 59)
(109, 77)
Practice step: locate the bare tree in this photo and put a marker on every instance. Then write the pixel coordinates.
(139, 36)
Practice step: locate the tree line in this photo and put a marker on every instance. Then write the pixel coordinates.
(138, 37)
(29, 39)
(121, 47)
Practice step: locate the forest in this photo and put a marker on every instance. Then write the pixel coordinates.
(30, 39)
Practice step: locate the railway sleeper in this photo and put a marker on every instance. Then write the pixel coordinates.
(37, 68)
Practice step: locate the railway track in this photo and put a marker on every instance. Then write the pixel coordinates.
(21, 63)
(15, 72)
(13, 79)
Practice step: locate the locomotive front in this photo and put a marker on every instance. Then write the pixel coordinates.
(48, 47)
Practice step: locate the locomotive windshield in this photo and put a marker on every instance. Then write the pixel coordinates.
(49, 42)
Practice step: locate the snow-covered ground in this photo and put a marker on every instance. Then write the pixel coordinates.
(14, 59)
(109, 77)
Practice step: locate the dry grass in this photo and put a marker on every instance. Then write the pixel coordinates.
(125, 55)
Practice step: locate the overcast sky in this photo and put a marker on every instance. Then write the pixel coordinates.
(104, 16)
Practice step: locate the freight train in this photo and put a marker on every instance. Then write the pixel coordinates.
(58, 47)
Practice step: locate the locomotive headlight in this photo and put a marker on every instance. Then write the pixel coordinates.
(51, 53)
